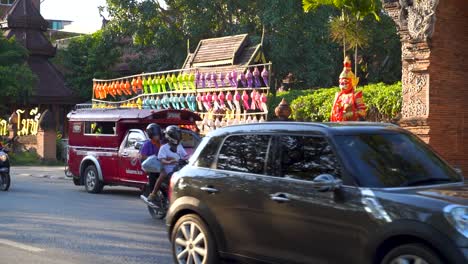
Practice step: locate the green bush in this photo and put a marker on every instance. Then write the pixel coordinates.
(383, 102)
(289, 96)
(316, 106)
(26, 158)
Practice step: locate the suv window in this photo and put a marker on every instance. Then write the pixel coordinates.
(244, 153)
(134, 137)
(305, 158)
(208, 153)
(394, 160)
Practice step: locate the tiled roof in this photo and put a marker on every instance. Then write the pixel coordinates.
(218, 51)
(226, 53)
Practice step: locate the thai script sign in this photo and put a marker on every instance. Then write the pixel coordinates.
(3, 127)
(28, 126)
(27, 123)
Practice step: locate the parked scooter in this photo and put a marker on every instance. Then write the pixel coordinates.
(4, 170)
(159, 207)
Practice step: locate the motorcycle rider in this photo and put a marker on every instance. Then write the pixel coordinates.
(151, 147)
(169, 154)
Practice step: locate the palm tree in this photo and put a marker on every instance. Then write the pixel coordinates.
(348, 29)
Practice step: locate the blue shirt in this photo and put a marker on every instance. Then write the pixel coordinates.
(149, 149)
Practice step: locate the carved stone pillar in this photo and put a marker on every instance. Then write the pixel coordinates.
(434, 39)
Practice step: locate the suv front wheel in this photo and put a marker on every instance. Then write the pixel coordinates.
(192, 242)
(412, 253)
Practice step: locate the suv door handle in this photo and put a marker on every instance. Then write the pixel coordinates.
(280, 198)
(209, 189)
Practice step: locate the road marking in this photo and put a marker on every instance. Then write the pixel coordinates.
(20, 245)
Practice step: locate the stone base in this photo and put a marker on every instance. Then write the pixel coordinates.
(417, 126)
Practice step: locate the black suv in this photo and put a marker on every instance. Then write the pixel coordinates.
(285, 192)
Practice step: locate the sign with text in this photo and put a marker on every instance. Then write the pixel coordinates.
(26, 122)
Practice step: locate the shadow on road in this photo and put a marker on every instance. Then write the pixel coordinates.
(116, 192)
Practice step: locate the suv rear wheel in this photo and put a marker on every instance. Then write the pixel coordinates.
(92, 182)
(412, 253)
(192, 242)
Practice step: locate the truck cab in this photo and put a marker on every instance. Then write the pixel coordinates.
(104, 143)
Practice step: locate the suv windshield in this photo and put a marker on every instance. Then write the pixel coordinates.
(394, 160)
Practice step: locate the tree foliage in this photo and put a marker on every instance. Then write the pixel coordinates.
(88, 57)
(16, 78)
(294, 41)
(348, 29)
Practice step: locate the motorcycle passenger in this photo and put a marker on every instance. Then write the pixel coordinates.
(151, 147)
(169, 154)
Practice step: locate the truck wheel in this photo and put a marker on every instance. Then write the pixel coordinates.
(412, 253)
(92, 182)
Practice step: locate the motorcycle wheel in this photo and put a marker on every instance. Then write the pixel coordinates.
(160, 212)
(4, 181)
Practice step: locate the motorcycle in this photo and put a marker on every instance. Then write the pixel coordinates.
(159, 207)
(4, 170)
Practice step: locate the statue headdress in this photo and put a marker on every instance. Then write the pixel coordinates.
(348, 73)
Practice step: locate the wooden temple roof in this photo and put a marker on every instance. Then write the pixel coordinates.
(26, 24)
(224, 53)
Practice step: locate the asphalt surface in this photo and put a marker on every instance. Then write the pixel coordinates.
(44, 218)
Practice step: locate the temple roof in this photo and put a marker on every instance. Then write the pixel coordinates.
(232, 52)
(23, 14)
(24, 22)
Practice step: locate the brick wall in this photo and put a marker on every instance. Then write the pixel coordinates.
(448, 89)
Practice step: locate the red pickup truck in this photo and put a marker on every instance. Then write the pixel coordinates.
(103, 143)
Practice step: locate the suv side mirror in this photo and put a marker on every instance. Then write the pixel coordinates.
(326, 183)
(138, 144)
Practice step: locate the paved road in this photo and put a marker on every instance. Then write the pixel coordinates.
(44, 218)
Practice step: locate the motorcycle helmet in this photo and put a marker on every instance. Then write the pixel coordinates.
(173, 134)
(153, 130)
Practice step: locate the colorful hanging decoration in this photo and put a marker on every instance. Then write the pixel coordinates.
(265, 76)
(203, 83)
(208, 80)
(191, 79)
(256, 74)
(221, 99)
(222, 96)
(214, 79)
(234, 78)
(229, 79)
(237, 99)
(249, 77)
(245, 100)
(222, 80)
(242, 80)
(229, 99)
(174, 82)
